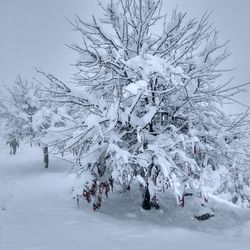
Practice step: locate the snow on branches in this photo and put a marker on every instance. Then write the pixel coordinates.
(148, 103)
(146, 106)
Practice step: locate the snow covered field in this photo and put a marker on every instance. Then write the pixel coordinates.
(37, 213)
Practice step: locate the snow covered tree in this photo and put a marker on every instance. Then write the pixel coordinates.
(26, 115)
(147, 104)
(17, 109)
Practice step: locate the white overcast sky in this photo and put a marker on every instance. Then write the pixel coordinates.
(33, 33)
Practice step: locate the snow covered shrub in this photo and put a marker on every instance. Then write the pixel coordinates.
(147, 105)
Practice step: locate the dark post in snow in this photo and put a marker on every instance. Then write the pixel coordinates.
(46, 156)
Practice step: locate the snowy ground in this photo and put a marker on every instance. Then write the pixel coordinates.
(37, 213)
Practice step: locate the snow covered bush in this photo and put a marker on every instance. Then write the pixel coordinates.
(147, 104)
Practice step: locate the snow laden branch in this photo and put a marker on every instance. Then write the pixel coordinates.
(147, 105)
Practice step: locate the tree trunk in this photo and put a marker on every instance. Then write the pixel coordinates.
(146, 201)
(14, 149)
(46, 156)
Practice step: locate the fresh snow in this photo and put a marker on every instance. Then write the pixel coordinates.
(37, 213)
